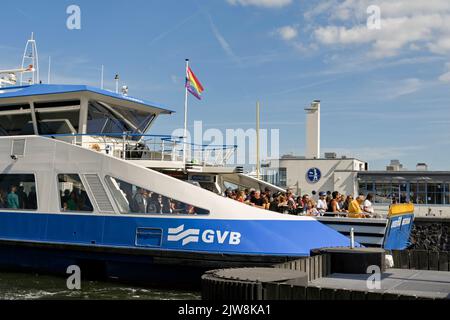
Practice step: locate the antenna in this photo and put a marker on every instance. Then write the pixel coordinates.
(30, 58)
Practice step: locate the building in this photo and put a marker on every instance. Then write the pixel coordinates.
(310, 174)
(306, 175)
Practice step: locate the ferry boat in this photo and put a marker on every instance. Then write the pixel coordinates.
(83, 183)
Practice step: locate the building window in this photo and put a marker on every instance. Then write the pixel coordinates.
(18, 192)
(435, 193)
(283, 177)
(132, 199)
(418, 192)
(73, 195)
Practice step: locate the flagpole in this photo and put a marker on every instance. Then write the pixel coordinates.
(185, 116)
(258, 164)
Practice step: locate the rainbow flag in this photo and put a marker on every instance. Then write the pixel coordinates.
(193, 85)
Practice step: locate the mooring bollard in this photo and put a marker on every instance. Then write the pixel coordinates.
(352, 238)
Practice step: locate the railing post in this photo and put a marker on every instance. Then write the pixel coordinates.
(123, 146)
(203, 156)
(162, 150)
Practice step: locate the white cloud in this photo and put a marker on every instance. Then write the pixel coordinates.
(445, 77)
(226, 47)
(286, 33)
(405, 87)
(406, 25)
(261, 3)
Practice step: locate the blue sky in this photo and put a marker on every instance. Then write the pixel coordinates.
(385, 93)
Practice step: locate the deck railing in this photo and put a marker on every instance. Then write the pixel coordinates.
(132, 146)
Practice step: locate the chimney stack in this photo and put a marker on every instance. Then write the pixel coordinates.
(313, 130)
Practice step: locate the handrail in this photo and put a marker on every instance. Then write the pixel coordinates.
(170, 138)
(163, 147)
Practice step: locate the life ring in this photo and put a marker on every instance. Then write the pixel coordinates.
(95, 147)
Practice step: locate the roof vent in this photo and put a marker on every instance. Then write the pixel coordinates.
(330, 155)
(422, 167)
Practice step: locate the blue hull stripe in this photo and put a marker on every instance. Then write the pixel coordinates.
(254, 237)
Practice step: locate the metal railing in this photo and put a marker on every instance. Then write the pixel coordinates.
(131, 146)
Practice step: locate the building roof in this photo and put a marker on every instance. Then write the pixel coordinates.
(49, 89)
(405, 173)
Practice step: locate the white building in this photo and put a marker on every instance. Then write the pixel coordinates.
(311, 174)
(306, 175)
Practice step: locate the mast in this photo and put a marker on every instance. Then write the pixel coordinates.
(30, 58)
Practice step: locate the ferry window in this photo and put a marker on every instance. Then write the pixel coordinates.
(59, 117)
(132, 199)
(73, 195)
(18, 192)
(101, 119)
(139, 119)
(16, 123)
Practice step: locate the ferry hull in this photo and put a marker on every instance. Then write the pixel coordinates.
(153, 249)
(149, 268)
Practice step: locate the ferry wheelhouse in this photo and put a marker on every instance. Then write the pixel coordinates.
(82, 182)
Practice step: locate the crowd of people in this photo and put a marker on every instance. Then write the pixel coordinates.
(323, 204)
(144, 201)
(16, 198)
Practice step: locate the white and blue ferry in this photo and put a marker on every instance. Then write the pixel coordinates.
(83, 183)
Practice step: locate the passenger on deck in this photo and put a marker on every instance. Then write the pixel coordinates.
(291, 201)
(341, 202)
(367, 205)
(13, 199)
(241, 196)
(72, 203)
(23, 198)
(311, 209)
(140, 202)
(322, 205)
(65, 197)
(283, 206)
(3, 198)
(257, 200)
(333, 205)
(347, 202)
(354, 210)
(274, 203)
(32, 199)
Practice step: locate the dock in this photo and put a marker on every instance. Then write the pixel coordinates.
(337, 274)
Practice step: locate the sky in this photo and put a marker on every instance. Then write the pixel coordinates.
(384, 88)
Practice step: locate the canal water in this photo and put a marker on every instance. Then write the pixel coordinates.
(25, 286)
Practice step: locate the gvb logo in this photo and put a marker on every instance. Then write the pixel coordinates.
(207, 236)
(188, 236)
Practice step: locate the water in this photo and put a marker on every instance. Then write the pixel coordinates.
(24, 286)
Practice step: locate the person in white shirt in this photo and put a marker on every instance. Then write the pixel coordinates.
(367, 205)
(322, 205)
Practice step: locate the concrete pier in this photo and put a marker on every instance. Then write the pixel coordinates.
(315, 278)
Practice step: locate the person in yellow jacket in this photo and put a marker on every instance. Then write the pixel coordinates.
(354, 208)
